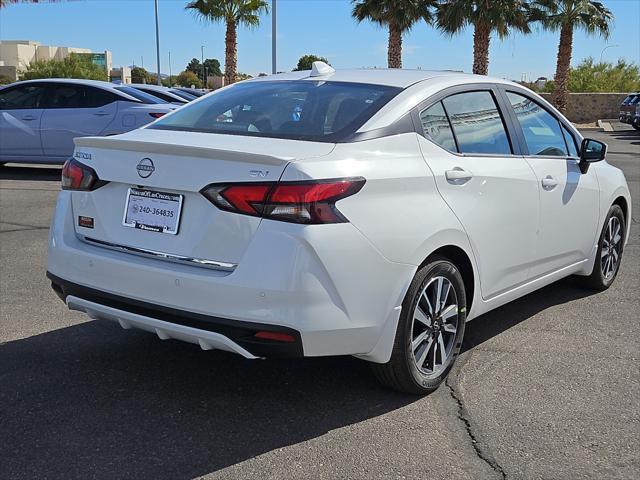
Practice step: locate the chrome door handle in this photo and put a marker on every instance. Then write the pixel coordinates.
(458, 175)
(549, 183)
(28, 117)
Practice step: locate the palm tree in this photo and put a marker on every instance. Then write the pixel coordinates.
(567, 15)
(399, 16)
(233, 13)
(486, 16)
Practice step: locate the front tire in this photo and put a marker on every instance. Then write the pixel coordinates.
(609, 254)
(430, 330)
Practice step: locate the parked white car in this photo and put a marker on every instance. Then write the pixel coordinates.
(40, 118)
(171, 95)
(357, 212)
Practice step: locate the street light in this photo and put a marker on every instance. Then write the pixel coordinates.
(159, 81)
(204, 81)
(274, 69)
(603, 50)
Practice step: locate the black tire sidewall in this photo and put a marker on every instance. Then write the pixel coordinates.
(597, 274)
(438, 267)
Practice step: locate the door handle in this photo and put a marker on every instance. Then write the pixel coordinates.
(549, 183)
(101, 113)
(28, 117)
(458, 176)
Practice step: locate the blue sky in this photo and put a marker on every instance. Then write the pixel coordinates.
(323, 27)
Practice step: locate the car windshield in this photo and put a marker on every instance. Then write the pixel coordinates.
(139, 95)
(302, 110)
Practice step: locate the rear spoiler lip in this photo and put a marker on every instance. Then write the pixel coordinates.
(112, 143)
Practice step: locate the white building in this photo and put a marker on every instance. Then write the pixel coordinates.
(16, 55)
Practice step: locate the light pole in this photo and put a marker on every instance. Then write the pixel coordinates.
(605, 48)
(155, 3)
(274, 69)
(204, 81)
(170, 82)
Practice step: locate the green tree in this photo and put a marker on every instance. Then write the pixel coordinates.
(212, 67)
(233, 13)
(188, 78)
(194, 66)
(566, 16)
(73, 66)
(487, 17)
(306, 62)
(399, 16)
(140, 75)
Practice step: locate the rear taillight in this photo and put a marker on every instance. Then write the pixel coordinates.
(156, 114)
(77, 176)
(298, 202)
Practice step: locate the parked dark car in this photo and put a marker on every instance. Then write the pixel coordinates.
(628, 108)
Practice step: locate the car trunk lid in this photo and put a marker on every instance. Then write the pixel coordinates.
(177, 166)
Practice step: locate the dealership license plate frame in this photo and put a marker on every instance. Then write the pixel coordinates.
(132, 223)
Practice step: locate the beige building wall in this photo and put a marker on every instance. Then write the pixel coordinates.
(21, 53)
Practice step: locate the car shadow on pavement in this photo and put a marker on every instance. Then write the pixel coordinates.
(94, 401)
(491, 324)
(91, 400)
(33, 173)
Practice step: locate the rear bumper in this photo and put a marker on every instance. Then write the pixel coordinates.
(325, 283)
(204, 330)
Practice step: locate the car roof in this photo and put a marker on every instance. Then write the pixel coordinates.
(149, 85)
(392, 77)
(79, 81)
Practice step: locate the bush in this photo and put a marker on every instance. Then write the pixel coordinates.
(187, 79)
(589, 77)
(73, 66)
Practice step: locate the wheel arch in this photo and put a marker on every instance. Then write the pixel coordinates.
(621, 201)
(462, 260)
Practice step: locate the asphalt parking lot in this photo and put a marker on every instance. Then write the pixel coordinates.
(548, 386)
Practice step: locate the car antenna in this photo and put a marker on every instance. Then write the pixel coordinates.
(320, 69)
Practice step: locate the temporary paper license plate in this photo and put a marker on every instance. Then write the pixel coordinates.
(153, 211)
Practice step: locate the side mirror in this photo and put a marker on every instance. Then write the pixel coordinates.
(591, 151)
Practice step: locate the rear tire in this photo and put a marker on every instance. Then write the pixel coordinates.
(609, 254)
(429, 333)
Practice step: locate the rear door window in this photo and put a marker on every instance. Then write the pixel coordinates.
(66, 96)
(477, 123)
(99, 97)
(541, 130)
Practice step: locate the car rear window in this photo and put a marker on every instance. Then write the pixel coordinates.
(140, 95)
(302, 110)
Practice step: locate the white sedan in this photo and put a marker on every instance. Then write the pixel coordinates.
(40, 118)
(357, 212)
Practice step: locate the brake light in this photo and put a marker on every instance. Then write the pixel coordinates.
(298, 202)
(156, 114)
(77, 176)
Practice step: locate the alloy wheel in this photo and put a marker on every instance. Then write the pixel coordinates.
(434, 326)
(611, 247)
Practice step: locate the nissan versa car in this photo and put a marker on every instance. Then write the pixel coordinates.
(40, 118)
(357, 212)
